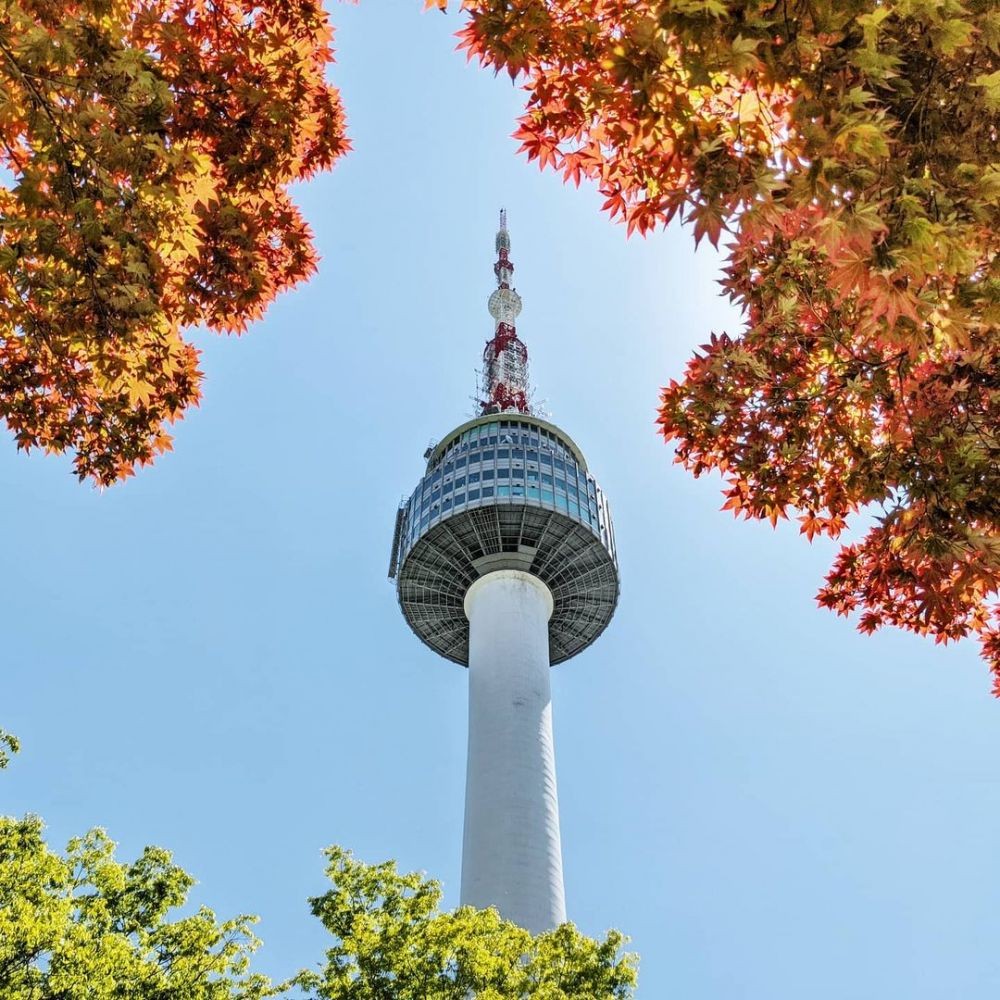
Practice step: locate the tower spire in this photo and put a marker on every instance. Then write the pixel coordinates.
(505, 358)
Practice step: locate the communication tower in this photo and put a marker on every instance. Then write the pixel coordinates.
(504, 561)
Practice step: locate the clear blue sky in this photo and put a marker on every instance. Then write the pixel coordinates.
(211, 658)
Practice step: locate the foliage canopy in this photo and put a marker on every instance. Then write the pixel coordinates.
(846, 149)
(84, 926)
(849, 152)
(87, 927)
(148, 145)
(391, 940)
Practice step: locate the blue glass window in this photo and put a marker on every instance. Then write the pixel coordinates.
(548, 496)
(436, 478)
(503, 452)
(459, 498)
(574, 507)
(473, 495)
(560, 466)
(517, 491)
(487, 491)
(460, 463)
(533, 456)
(503, 491)
(561, 502)
(447, 504)
(517, 453)
(503, 473)
(533, 492)
(547, 479)
(487, 474)
(473, 477)
(532, 475)
(459, 481)
(450, 467)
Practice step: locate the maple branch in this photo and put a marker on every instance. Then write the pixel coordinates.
(40, 101)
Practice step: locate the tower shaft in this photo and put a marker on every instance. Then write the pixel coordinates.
(512, 854)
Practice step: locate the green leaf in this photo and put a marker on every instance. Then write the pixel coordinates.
(990, 82)
(952, 35)
(9, 744)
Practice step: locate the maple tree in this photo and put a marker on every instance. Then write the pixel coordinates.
(147, 147)
(848, 151)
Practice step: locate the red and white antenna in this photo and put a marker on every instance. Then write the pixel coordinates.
(505, 358)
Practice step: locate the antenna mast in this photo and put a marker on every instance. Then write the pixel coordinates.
(505, 358)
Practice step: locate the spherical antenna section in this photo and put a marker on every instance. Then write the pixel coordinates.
(505, 305)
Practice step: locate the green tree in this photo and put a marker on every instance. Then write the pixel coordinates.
(85, 926)
(392, 941)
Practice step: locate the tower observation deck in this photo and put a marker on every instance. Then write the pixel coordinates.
(504, 561)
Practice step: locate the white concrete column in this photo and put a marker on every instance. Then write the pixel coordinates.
(511, 854)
